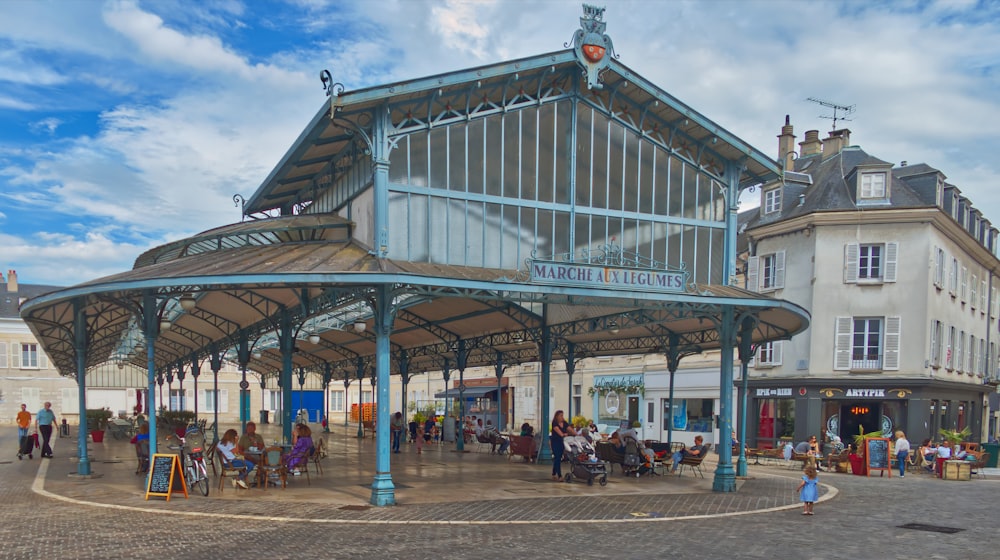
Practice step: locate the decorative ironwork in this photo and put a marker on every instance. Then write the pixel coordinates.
(591, 44)
(830, 391)
(241, 202)
(329, 86)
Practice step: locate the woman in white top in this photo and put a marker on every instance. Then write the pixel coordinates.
(902, 451)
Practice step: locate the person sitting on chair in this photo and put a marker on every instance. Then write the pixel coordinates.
(227, 447)
(491, 433)
(250, 441)
(697, 450)
(301, 448)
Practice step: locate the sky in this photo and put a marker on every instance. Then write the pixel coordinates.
(127, 124)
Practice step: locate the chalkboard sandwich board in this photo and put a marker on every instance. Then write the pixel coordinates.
(877, 455)
(165, 476)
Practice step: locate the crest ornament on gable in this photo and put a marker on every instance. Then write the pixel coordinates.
(592, 44)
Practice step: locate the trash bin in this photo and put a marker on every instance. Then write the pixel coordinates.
(993, 449)
(263, 416)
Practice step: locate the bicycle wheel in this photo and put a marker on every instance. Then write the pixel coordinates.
(199, 478)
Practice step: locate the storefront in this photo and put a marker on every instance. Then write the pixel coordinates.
(792, 410)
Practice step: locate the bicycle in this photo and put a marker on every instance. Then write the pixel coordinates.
(195, 471)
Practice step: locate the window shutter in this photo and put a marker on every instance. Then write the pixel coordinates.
(964, 284)
(3, 355)
(850, 263)
(953, 276)
(974, 291)
(779, 269)
(776, 354)
(752, 266)
(43, 360)
(891, 255)
(935, 349)
(31, 396)
(15, 355)
(223, 401)
(842, 352)
(982, 296)
(891, 359)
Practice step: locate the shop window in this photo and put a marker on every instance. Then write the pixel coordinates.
(692, 415)
(775, 421)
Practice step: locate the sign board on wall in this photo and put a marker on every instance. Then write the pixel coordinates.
(606, 277)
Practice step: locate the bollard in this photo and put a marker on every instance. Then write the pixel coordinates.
(64, 429)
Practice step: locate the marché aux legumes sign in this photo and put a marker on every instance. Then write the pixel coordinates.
(596, 276)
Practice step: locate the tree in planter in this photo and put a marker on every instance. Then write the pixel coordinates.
(97, 422)
(955, 437)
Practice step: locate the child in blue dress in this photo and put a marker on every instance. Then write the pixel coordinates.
(808, 489)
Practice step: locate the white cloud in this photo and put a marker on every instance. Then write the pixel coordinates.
(197, 118)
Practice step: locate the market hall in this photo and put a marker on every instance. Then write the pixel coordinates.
(423, 225)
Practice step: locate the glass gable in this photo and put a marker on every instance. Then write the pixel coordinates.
(497, 189)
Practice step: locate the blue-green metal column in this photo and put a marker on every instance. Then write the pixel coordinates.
(195, 373)
(733, 207)
(498, 371)
(725, 476)
(215, 362)
(570, 370)
(545, 357)
(461, 359)
(243, 358)
(403, 362)
(746, 352)
(460, 432)
(286, 342)
(151, 328)
(360, 364)
(80, 346)
(180, 380)
(347, 409)
(383, 490)
(673, 362)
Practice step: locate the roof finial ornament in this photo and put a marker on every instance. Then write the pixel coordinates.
(591, 44)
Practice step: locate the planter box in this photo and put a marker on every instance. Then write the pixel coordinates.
(957, 470)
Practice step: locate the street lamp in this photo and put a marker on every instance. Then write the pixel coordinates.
(314, 339)
(188, 302)
(359, 326)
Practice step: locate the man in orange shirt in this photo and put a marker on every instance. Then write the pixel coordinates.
(23, 423)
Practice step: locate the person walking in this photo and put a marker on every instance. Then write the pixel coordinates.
(44, 421)
(560, 429)
(902, 451)
(23, 423)
(808, 489)
(396, 427)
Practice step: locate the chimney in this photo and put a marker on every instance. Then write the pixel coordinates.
(11, 281)
(811, 145)
(786, 146)
(902, 163)
(837, 141)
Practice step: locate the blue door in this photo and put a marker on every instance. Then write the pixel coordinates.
(312, 401)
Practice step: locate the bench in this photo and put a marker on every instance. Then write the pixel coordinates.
(523, 446)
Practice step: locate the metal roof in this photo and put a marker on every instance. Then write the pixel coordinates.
(304, 268)
(628, 97)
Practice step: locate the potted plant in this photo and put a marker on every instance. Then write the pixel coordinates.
(857, 458)
(97, 422)
(955, 437)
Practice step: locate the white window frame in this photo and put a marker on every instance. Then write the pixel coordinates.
(854, 262)
(939, 267)
(29, 355)
(772, 200)
(207, 400)
(868, 187)
(337, 400)
(769, 354)
(766, 273)
(981, 365)
(886, 356)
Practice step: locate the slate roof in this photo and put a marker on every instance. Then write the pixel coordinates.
(9, 307)
(833, 188)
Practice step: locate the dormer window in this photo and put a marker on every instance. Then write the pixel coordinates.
(873, 185)
(772, 200)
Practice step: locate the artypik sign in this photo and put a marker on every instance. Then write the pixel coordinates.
(596, 276)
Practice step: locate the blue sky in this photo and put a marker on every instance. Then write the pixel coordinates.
(127, 124)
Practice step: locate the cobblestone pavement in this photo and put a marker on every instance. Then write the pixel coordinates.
(48, 514)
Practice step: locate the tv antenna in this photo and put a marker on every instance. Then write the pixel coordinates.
(846, 110)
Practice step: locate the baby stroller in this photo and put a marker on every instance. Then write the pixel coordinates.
(583, 461)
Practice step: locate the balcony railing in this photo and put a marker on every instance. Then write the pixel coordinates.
(866, 361)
